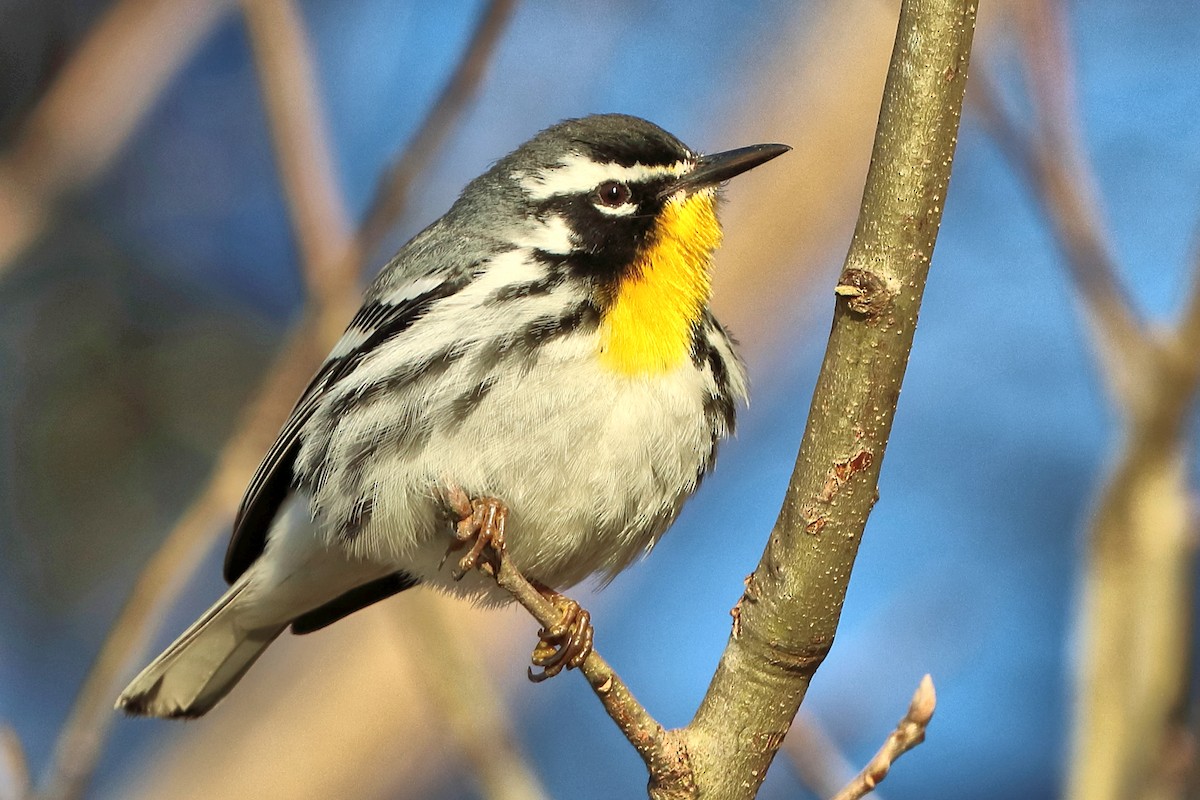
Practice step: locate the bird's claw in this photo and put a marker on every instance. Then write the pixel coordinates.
(480, 525)
(565, 644)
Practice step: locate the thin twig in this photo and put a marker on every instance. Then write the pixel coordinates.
(391, 194)
(13, 763)
(93, 106)
(909, 733)
(664, 758)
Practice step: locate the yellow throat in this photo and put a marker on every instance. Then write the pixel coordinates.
(648, 327)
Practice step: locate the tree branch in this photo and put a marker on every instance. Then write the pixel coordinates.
(391, 193)
(298, 133)
(792, 603)
(1185, 337)
(665, 759)
(909, 733)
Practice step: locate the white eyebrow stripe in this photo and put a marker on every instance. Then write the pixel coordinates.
(577, 173)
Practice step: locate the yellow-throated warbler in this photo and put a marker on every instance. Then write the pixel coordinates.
(541, 362)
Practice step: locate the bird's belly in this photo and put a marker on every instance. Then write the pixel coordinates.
(592, 465)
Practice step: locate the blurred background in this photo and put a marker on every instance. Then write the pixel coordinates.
(153, 280)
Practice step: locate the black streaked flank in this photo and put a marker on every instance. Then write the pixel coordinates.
(719, 408)
(462, 406)
(393, 326)
(522, 344)
(431, 367)
(403, 439)
(349, 527)
(544, 330)
(434, 366)
(392, 321)
(541, 286)
(548, 328)
(276, 475)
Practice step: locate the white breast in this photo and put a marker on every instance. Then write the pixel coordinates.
(592, 465)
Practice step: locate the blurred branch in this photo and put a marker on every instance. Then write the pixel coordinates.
(14, 763)
(1135, 619)
(1137, 592)
(471, 703)
(1187, 329)
(332, 287)
(1051, 158)
(93, 106)
(305, 159)
(391, 194)
(169, 570)
(818, 762)
(909, 733)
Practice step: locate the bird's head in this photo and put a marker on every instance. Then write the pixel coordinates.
(625, 206)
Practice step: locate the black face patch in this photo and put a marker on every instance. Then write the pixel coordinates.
(607, 245)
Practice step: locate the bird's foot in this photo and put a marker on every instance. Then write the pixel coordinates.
(480, 526)
(566, 644)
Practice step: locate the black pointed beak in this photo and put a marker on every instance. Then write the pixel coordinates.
(718, 167)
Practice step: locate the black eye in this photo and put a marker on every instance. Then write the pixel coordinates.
(613, 194)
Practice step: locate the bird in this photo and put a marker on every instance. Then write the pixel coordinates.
(535, 377)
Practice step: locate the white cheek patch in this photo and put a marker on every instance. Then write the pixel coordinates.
(576, 174)
(551, 236)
